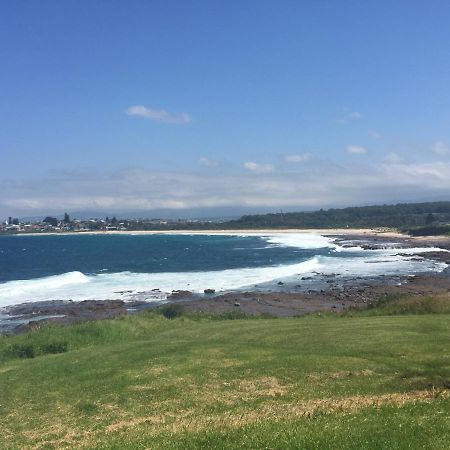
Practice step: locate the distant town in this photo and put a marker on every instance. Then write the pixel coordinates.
(67, 224)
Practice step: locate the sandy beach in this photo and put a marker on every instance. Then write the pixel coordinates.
(323, 231)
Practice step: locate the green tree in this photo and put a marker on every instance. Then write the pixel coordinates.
(53, 221)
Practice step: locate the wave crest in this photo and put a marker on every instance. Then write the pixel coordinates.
(77, 286)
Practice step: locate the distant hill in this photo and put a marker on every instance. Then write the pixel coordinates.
(402, 215)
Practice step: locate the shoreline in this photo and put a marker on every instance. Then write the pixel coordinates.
(279, 299)
(231, 232)
(327, 232)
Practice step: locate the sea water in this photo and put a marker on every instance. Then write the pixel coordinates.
(149, 266)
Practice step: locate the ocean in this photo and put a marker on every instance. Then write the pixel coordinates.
(150, 266)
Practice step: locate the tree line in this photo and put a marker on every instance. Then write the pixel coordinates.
(402, 215)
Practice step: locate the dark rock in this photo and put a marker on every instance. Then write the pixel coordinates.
(209, 291)
(179, 294)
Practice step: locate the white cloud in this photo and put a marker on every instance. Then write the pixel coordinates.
(349, 116)
(424, 175)
(207, 162)
(159, 115)
(393, 158)
(298, 158)
(375, 134)
(258, 168)
(356, 149)
(145, 190)
(441, 148)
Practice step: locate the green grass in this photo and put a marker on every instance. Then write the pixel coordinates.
(404, 304)
(193, 382)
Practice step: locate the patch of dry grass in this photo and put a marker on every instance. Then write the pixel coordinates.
(190, 421)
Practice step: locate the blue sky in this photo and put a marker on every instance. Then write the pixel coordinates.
(118, 106)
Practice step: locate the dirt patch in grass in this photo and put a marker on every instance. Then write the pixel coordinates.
(142, 387)
(353, 403)
(233, 392)
(155, 420)
(156, 370)
(339, 375)
(6, 369)
(72, 439)
(231, 362)
(262, 387)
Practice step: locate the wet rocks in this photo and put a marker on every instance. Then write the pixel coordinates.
(63, 312)
(177, 294)
(91, 307)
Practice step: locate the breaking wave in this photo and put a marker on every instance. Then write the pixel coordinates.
(77, 286)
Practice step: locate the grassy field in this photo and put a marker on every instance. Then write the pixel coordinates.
(368, 381)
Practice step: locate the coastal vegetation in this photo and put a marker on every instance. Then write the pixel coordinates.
(374, 378)
(429, 230)
(402, 215)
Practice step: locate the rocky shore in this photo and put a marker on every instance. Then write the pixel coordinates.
(280, 299)
(356, 294)
(23, 317)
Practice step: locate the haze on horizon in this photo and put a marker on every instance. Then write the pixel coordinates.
(211, 106)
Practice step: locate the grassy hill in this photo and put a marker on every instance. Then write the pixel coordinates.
(367, 381)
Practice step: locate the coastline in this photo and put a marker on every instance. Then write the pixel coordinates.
(278, 299)
(327, 232)
(232, 232)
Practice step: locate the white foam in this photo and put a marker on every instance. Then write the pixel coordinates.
(414, 250)
(300, 240)
(110, 285)
(376, 263)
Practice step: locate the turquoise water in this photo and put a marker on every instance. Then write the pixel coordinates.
(78, 267)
